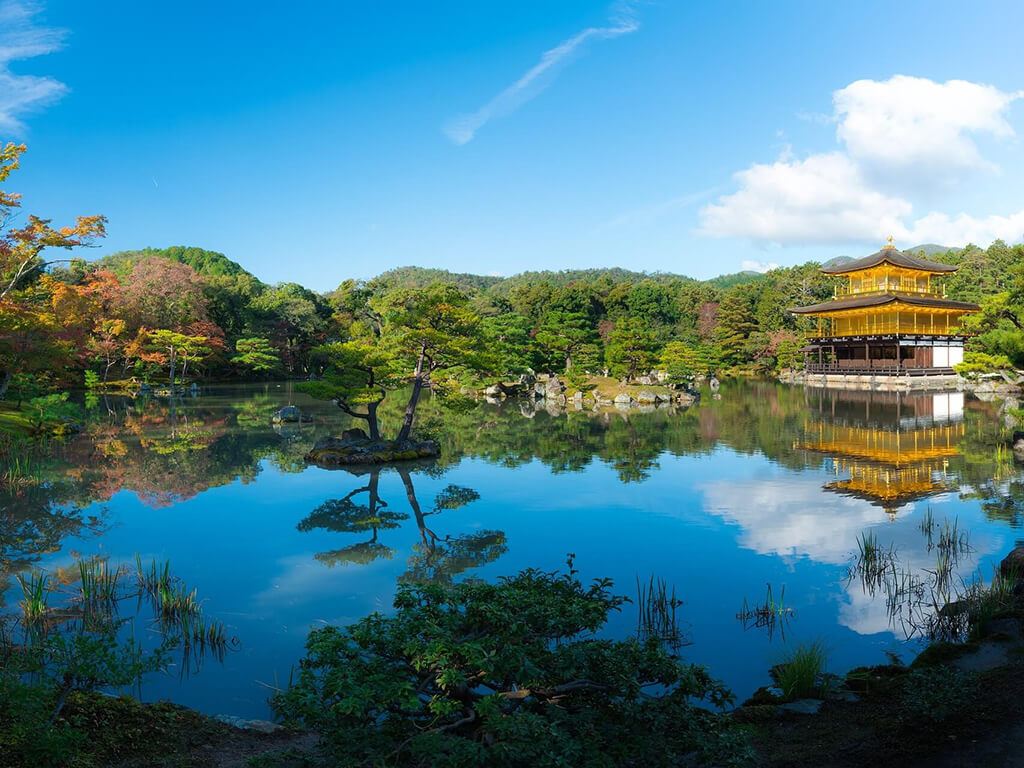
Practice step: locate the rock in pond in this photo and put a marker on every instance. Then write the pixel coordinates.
(623, 399)
(1013, 563)
(646, 397)
(289, 413)
(334, 452)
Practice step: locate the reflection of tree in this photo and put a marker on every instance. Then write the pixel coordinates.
(440, 559)
(36, 514)
(345, 516)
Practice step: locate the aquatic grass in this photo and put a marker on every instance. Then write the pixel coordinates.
(176, 602)
(154, 579)
(872, 563)
(802, 674)
(952, 539)
(98, 583)
(927, 526)
(657, 612)
(770, 614)
(35, 590)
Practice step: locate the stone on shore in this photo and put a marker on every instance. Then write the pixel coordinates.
(1013, 563)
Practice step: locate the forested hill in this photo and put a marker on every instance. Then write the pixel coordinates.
(206, 263)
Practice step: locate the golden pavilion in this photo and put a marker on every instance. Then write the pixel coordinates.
(887, 448)
(889, 315)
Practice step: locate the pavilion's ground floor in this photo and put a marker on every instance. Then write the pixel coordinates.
(889, 354)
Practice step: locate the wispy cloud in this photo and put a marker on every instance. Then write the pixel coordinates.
(649, 214)
(21, 37)
(462, 129)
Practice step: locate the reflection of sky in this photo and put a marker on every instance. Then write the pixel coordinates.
(717, 526)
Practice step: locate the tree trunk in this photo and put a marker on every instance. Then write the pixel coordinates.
(410, 408)
(5, 383)
(371, 420)
(172, 369)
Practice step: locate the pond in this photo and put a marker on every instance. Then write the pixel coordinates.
(766, 486)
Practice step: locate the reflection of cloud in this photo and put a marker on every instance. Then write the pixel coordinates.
(303, 579)
(793, 515)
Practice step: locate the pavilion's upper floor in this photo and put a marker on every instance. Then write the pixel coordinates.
(891, 271)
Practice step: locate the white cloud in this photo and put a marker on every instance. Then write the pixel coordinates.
(463, 128)
(905, 134)
(21, 38)
(821, 199)
(917, 127)
(749, 265)
(962, 229)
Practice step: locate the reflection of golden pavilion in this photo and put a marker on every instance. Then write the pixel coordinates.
(894, 447)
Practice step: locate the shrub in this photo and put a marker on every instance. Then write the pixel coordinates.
(978, 362)
(504, 674)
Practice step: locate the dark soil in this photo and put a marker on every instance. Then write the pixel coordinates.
(986, 729)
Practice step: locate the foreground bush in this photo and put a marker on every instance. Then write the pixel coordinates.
(504, 674)
(979, 362)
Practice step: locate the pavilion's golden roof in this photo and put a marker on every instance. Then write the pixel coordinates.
(889, 255)
(878, 300)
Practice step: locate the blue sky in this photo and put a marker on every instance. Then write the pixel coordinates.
(314, 142)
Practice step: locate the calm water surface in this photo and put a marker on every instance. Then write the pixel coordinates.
(768, 485)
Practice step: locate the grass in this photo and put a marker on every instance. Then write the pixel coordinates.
(154, 579)
(801, 674)
(657, 608)
(15, 421)
(179, 610)
(873, 563)
(98, 582)
(770, 614)
(35, 590)
(608, 388)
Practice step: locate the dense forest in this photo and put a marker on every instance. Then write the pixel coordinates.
(184, 313)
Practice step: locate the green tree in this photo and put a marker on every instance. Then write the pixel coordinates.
(426, 332)
(632, 347)
(167, 347)
(256, 354)
(564, 334)
(504, 674)
(682, 362)
(735, 323)
(358, 376)
(508, 338)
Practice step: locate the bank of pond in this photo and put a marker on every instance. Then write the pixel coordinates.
(779, 538)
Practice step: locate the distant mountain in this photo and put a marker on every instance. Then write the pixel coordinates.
(724, 282)
(930, 249)
(204, 262)
(837, 261)
(420, 277)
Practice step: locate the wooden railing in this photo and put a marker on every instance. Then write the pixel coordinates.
(892, 288)
(876, 368)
